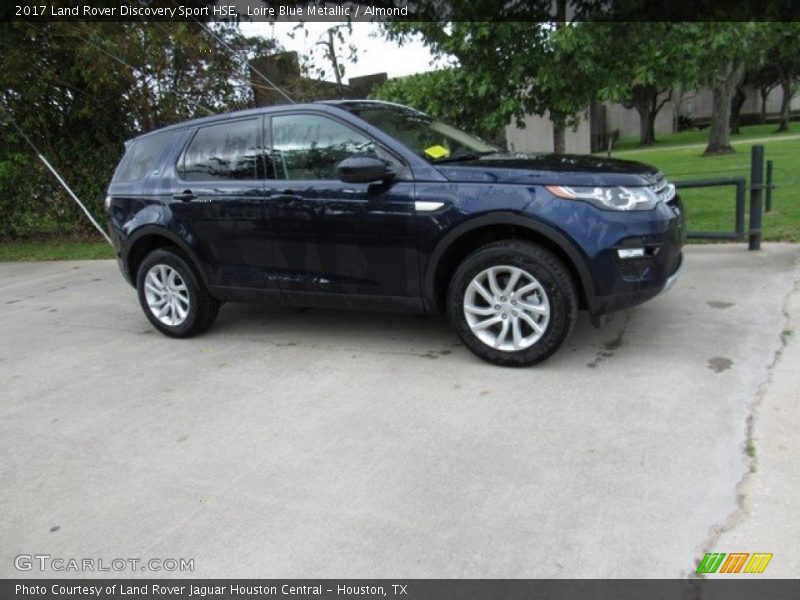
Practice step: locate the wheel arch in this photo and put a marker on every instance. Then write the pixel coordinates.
(467, 237)
(152, 237)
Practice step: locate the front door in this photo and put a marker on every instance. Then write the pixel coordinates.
(333, 237)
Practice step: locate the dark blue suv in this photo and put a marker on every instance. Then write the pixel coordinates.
(375, 205)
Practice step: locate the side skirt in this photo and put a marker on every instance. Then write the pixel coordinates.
(320, 300)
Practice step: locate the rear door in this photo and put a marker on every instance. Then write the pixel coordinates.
(333, 237)
(218, 194)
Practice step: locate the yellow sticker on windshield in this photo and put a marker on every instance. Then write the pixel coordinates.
(437, 151)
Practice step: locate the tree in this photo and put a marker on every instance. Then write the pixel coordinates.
(441, 94)
(772, 59)
(643, 63)
(722, 50)
(567, 79)
(334, 47)
(73, 111)
(737, 101)
(79, 90)
(782, 42)
(333, 44)
(764, 78)
(544, 69)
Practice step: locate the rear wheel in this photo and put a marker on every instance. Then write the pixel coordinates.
(172, 296)
(512, 303)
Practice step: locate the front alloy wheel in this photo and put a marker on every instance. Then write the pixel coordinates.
(506, 308)
(512, 303)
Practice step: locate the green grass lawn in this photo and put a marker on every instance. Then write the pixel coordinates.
(54, 250)
(698, 136)
(712, 209)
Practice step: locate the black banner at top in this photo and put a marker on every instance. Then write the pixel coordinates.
(402, 10)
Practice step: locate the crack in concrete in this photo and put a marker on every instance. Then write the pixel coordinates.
(739, 514)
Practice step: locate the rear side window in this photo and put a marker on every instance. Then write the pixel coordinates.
(225, 151)
(140, 157)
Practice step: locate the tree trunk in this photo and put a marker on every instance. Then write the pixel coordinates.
(786, 100)
(719, 134)
(335, 63)
(559, 129)
(561, 11)
(559, 138)
(764, 95)
(736, 108)
(651, 128)
(645, 101)
(725, 80)
(647, 125)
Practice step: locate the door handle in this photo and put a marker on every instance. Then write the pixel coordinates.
(285, 194)
(185, 196)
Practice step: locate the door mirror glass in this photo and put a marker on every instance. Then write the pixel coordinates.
(363, 169)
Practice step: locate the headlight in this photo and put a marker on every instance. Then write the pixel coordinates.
(613, 198)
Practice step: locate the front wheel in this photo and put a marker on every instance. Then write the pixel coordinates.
(172, 296)
(512, 303)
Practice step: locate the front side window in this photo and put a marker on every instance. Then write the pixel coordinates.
(311, 146)
(225, 151)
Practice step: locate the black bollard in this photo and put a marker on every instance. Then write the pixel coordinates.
(756, 185)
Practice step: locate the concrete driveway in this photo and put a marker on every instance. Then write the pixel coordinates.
(298, 443)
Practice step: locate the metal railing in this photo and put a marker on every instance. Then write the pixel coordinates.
(738, 232)
(757, 185)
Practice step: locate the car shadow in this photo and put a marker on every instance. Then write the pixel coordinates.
(424, 335)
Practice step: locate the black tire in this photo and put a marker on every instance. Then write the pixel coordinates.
(537, 262)
(203, 308)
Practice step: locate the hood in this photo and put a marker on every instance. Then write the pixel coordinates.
(551, 169)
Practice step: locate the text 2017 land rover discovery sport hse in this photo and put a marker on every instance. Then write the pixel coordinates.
(375, 205)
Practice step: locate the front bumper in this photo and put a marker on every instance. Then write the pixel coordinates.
(630, 280)
(675, 274)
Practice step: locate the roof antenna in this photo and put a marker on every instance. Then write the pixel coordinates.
(56, 175)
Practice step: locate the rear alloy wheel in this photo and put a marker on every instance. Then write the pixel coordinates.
(167, 295)
(512, 303)
(172, 296)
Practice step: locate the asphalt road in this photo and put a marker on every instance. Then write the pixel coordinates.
(291, 443)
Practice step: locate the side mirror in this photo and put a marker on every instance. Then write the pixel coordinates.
(363, 169)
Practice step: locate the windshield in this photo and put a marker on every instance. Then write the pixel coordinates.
(431, 139)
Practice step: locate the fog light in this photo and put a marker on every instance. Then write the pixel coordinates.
(630, 252)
